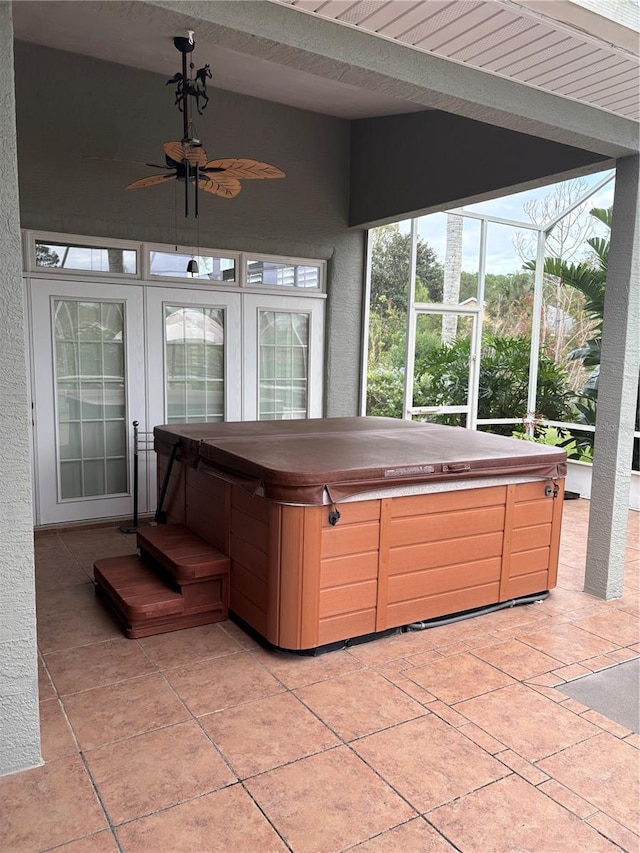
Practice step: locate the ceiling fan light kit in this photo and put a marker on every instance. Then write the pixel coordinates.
(187, 161)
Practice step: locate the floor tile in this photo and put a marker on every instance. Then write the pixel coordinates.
(624, 838)
(608, 725)
(101, 842)
(522, 767)
(359, 703)
(481, 738)
(46, 690)
(449, 715)
(51, 575)
(47, 806)
(617, 627)
(98, 664)
(415, 691)
(459, 677)
(456, 632)
(416, 836)
(528, 723)
(428, 762)
(220, 683)
(225, 821)
(569, 673)
(55, 735)
(327, 802)
(178, 648)
(517, 659)
(299, 670)
(268, 731)
(155, 770)
(603, 771)
(73, 628)
(484, 821)
(70, 598)
(568, 643)
(261, 735)
(107, 714)
(242, 638)
(567, 798)
(388, 648)
(566, 600)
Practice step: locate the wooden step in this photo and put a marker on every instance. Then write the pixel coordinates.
(139, 593)
(183, 554)
(144, 604)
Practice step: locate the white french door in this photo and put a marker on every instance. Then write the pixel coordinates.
(88, 387)
(283, 339)
(104, 355)
(194, 355)
(194, 365)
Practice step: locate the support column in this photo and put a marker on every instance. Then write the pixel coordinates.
(19, 720)
(617, 392)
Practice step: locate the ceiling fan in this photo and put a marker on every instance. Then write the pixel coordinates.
(187, 161)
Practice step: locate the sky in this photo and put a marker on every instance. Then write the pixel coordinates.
(501, 255)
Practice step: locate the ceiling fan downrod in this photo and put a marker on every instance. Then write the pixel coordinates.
(187, 88)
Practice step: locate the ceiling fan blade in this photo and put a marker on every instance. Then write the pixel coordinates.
(150, 181)
(239, 167)
(220, 185)
(178, 152)
(123, 160)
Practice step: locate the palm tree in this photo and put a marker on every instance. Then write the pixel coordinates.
(589, 277)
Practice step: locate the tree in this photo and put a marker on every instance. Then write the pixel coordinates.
(563, 318)
(568, 237)
(46, 257)
(390, 258)
(588, 278)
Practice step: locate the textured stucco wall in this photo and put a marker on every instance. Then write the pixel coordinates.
(617, 392)
(19, 726)
(70, 106)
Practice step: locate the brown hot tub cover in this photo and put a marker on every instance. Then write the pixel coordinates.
(301, 461)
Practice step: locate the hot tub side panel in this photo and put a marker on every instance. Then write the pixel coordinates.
(208, 507)
(445, 554)
(301, 582)
(532, 538)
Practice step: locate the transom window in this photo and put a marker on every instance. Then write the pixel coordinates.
(85, 258)
(96, 257)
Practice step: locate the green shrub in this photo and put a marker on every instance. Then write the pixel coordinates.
(442, 375)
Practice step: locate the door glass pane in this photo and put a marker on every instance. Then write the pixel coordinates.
(90, 395)
(283, 365)
(194, 359)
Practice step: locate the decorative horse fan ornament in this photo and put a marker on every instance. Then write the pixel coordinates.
(187, 160)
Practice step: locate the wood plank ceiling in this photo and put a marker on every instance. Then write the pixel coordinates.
(504, 39)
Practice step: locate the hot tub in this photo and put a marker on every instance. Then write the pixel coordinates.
(339, 528)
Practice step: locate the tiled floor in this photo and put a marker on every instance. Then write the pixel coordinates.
(440, 740)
